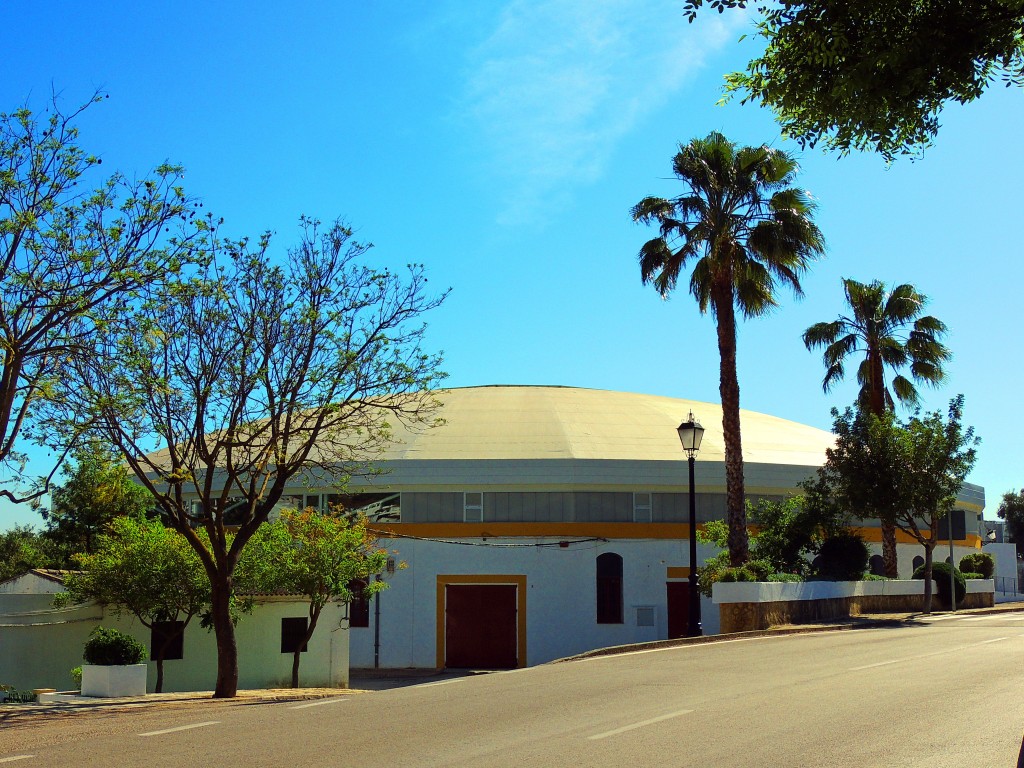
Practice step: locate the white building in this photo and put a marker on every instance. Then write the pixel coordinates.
(539, 522)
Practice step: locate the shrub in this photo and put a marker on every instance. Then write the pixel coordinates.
(108, 647)
(940, 575)
(843, 557)
(978, 562)
(968, 575)
(76, 677)
(874, 577)
(786, 577)
(737, 573)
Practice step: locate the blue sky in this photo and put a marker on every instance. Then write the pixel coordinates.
(503, 144)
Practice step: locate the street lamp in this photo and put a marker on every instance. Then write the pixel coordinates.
(690, 435)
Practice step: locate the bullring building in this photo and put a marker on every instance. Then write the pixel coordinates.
(539, 522)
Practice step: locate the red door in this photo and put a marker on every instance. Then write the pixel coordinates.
(480, 629)
(678, 608)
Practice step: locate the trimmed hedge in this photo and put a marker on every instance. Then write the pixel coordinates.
(940, 575)
(843, 558)
(110, 647)
(978, 562)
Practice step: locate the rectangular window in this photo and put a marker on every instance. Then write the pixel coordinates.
(170, 632)
(292, 633)
(645, 615)
(641, 507)
(473, 507)
(359, 605)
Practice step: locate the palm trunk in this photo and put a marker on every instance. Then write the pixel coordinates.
(877, 405)
(227, 649)
(927, 579)
(889, 550)
(729, 389)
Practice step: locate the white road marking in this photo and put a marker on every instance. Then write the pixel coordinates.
(958, 649)
(441, 682)
(978, 618)
(876, 664)
(180, 728)
(14, 757)
(714, 644)
(641, 724)
(1012, 617)
(333, 700)
(939, 618)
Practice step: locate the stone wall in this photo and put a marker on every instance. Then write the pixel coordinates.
(744, 607)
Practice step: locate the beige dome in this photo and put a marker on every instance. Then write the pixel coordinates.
(545, 422)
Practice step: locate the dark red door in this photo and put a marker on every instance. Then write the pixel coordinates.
(678, 608)
(480, 626)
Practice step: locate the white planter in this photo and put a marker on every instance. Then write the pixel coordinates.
(769, 592)
(112, 681)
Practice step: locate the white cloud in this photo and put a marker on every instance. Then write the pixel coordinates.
(558, 82)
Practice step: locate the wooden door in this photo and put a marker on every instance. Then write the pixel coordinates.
(480, 626)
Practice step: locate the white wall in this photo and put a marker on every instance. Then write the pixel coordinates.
(38, 650)
(561, 597)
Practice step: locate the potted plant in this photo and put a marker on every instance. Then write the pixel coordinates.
(115, 665)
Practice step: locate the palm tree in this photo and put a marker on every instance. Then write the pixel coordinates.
(888, 329)
(745, 230)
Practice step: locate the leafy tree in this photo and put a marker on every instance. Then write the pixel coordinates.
(71, 258)
(22, 549)
(874, 74)
(316, 555)
(744, 230)
(254, 377)
(789, 533)
(97, 490)
(906, 473)
(888, 329)
(1011, 509)
(142, 568)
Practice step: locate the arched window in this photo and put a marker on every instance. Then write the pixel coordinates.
(918, 562)
(877, 565)
(609, 588)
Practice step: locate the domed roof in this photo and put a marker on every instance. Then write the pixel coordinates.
(550, 422)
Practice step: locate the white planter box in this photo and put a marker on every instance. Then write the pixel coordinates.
(780, 591)
(113, 681)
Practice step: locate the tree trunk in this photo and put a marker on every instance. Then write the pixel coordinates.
(927, 579)
(314, 615)
(889, 550)
(729, 388)
(227, 649)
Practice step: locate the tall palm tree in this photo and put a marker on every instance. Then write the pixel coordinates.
(745, 230)
(888, 329)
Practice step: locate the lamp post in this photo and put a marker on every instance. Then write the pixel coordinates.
(690, 435)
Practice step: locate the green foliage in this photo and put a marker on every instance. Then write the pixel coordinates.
(76, 677)
(109, 647)
(1011, 509)
(743, 230)
(978, 562)
(312, 554)
(940, 575)
(787, 532)
(908, 473)
(874, 74)
(888, 330)
(77, 250)
(874, 577)
(971, 575)
(262, 370)
(97, 490)
(144, 569)
(22, 549)
(843, 558)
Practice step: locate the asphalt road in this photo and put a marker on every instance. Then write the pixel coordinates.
(946, 692)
